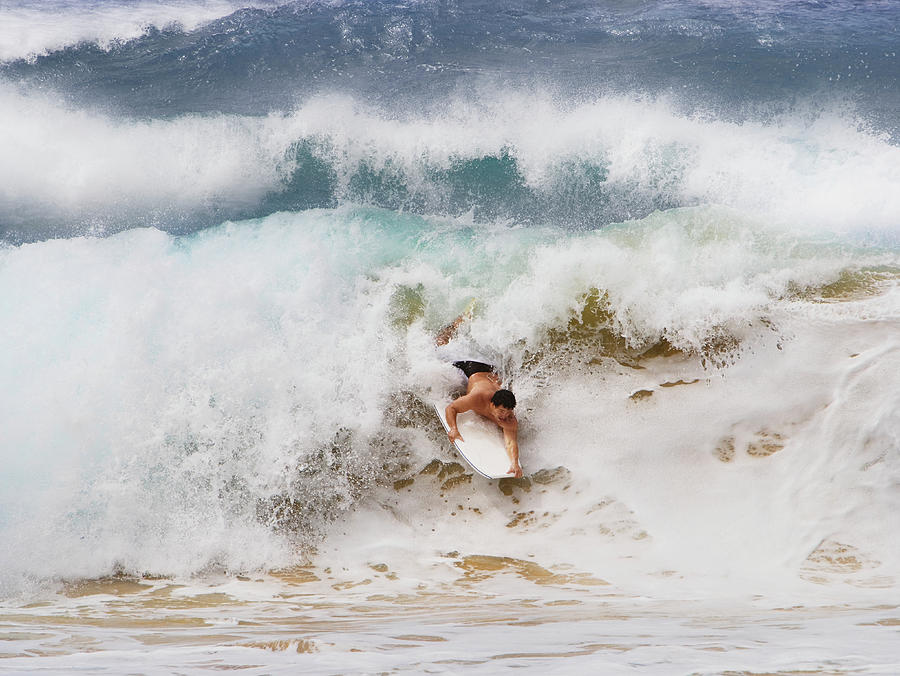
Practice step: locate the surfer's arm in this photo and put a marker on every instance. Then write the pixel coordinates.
(511, 438)
(455, 407)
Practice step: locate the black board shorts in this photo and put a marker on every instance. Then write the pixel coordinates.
(472, 367)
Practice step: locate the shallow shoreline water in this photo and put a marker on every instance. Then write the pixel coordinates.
(488, 614)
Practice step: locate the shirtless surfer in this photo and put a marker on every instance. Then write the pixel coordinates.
(484, 395)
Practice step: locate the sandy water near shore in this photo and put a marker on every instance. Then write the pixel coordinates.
(476, 613)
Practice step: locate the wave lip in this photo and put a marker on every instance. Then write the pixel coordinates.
(508, 159)
(90, 173)
(409, 54)
(27, 32)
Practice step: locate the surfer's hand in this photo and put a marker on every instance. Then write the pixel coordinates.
(517, 470)
(454, 434)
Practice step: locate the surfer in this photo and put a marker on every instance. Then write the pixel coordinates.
(486, 396)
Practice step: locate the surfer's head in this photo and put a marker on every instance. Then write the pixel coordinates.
(503, 399)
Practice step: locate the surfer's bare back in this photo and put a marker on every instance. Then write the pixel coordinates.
(486, 396)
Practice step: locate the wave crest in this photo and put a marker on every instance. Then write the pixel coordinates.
(528, 162)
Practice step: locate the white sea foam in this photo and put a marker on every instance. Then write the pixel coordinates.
(825, 172)
(64, 163)
(161, 392)
(29, 30)
(739, 478)
(74, 167)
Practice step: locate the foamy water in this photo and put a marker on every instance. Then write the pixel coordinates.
(486, 615)
(531, 159)
(772, 429)
(33, 30)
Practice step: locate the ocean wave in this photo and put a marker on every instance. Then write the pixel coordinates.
(30, 31)
(221, 399)
(264, 56)
(89, 173)
(507, 159)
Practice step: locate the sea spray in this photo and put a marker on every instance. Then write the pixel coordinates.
(533, 162)
(253, 382)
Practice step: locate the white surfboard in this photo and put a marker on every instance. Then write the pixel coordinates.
(483, 446)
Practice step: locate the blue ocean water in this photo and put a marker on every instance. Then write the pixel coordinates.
(206, 108)
(231, 229)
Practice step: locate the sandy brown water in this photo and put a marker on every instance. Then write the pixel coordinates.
(479, 614)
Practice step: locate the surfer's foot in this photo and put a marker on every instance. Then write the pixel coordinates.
(447, 333)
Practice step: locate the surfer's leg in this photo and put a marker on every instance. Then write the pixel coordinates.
(446, 333)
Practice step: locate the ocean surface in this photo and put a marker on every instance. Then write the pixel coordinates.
(230, 231)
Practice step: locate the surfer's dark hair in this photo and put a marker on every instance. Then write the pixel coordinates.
(504, 398)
